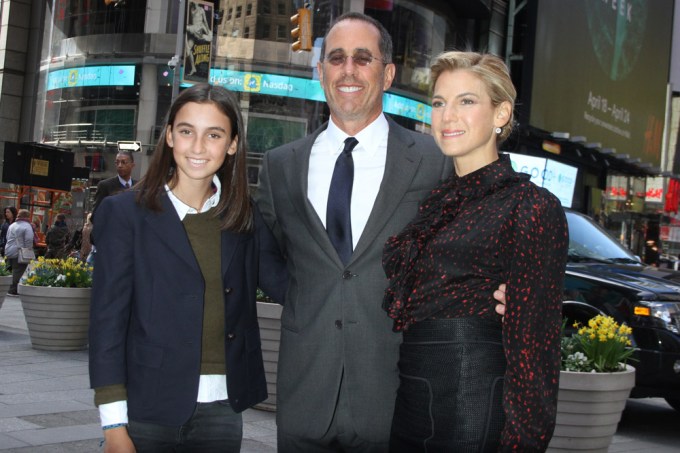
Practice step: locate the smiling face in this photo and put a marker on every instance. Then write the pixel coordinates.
(200, 138)
(354, 92)
(464, 119)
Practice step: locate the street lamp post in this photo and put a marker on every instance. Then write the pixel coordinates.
(176, 60)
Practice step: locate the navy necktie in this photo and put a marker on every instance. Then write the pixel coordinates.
(338, 219)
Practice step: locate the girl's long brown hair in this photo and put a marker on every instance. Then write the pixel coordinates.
(234, 207)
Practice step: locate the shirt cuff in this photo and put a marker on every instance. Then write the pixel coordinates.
(113, 413)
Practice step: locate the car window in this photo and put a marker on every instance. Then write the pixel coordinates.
(589, 241)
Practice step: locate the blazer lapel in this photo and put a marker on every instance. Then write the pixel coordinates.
(170, 230)
(400, 168)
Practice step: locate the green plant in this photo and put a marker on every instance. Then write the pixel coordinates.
(4, 268)
(603, 346)
(262, 297)
(57, 272)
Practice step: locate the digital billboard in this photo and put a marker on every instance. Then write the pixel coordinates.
(558, 178)
(601, 69)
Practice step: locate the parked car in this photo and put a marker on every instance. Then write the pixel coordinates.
(602, 276)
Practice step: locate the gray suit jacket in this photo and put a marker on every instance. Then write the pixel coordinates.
(333, 326)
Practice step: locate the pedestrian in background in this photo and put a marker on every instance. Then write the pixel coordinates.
(175, 353)
(10, 214)
(468, 380)
(57, 237)
(85, 243)
(125, 162)
(19, 235)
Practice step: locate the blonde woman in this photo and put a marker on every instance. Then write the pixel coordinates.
(468, 380)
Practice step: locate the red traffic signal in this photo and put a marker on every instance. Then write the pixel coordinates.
(302, 32)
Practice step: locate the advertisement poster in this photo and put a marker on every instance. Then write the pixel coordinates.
(603, 72)
(198, 41)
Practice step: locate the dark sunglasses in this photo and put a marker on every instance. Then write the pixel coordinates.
(359, 58)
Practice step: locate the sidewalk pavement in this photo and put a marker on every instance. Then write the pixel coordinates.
(46, 404)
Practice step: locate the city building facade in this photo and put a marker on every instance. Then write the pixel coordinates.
(86, 76)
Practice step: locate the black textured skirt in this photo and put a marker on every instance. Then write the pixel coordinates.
(451, 387)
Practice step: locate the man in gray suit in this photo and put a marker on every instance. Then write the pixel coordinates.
(337, 373)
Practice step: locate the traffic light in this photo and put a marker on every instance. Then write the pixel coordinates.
(302, 30)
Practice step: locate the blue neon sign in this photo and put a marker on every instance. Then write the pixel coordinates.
(297, 87)
(91, 76)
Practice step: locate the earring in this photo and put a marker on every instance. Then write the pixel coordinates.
(498, 130)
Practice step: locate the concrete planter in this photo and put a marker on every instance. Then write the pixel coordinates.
(57, 318)
(589, 407)
(269, 318)
(5, 283)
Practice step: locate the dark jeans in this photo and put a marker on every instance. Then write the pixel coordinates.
(17, 271)
(214, 427)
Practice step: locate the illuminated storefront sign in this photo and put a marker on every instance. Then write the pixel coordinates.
(248, 82)
(296, 87)
(558, 178)
(91, 76)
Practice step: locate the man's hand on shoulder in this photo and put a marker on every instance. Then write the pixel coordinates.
(499, 295)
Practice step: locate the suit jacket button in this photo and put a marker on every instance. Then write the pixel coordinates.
(347, 275)
(338, 324)
(228, 290)
(231, 336)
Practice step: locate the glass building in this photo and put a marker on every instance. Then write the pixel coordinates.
(105, 68)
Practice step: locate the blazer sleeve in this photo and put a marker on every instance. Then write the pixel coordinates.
(272, 272)
(112, 292)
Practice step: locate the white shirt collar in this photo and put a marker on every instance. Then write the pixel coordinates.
(183, 209)
(370, 137)
(123, 182)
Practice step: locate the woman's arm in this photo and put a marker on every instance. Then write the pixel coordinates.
(531, 330)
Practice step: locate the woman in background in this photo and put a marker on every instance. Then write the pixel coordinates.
(85, 242)
(469, 381)
(10, 214)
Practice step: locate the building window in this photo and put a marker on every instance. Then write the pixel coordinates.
(265, 7)
(246, 32)
(249, 9)
(238, 11)
(281, 8)
(231, 10)
(281, 32)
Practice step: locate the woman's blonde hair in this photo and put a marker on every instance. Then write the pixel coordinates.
(490, 69)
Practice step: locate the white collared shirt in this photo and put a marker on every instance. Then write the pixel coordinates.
(123, 182)
(369, 157)
(184, 209)
(211, 387)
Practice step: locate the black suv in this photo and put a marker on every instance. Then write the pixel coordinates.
(604, 277)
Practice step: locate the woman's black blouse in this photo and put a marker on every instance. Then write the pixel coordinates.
(473, 233)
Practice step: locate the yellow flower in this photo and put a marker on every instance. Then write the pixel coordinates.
(601, 347)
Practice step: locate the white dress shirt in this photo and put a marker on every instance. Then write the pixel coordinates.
(369, 158)
(211, 387)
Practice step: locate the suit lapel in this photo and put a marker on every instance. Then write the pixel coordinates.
(297, 182)
(170, 230)
(400, 168)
